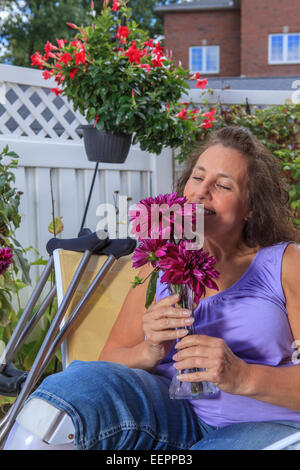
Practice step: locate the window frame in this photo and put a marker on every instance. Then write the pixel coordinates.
(217, 71)
(285, 60)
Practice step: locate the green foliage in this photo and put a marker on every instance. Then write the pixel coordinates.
(30, 23)
(278, 127)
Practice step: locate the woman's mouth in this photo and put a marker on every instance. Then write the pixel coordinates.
(209, 212)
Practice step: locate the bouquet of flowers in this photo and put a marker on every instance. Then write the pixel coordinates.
(164, 243)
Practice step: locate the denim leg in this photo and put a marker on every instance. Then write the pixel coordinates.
(247, 436)
(114, 407)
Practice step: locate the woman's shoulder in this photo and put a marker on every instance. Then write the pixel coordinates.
(291, 263)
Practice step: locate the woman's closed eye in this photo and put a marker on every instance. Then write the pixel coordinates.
(222, 186)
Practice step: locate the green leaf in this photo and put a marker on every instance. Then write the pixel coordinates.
(56, 226)
(151, 290)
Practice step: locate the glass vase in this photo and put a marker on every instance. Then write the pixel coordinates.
(188, 390)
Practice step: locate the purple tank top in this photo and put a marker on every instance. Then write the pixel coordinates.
(251, 317)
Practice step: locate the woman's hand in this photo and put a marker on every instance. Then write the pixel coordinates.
(223, 368)
(159, 325)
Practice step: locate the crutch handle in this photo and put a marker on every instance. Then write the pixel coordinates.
(119, 247)
(93, 243)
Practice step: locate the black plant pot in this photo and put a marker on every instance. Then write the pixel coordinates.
(103, 146)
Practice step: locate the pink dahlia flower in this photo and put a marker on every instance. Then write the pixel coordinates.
(160, 217)
(5, 258)
(149, 250)
(192, 267)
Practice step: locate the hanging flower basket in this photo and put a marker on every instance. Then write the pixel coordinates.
(125, 82)
(106, 147)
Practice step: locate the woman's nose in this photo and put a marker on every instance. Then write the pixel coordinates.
(203, 192)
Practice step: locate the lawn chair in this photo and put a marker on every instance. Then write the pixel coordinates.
(89, 271)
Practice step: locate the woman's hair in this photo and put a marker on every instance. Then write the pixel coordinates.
(270, 220)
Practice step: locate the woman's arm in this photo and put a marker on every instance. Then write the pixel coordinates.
(281, 385)
(125, 343)
(161, 323)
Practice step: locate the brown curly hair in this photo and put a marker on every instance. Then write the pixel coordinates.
(270, 220)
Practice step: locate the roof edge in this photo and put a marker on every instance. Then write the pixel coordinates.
(186, 7)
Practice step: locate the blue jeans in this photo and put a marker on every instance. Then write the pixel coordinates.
(114, 407)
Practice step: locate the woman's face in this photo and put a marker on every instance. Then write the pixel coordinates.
(219, 181)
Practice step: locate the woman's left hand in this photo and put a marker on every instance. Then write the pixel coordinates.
(223, 368)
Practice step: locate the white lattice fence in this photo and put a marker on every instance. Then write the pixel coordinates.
(30, 109)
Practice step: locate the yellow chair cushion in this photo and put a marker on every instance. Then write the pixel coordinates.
(88, 335)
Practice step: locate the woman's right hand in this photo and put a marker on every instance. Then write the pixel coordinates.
(162, 324)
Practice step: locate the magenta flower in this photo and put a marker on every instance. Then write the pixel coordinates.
(149, 250)
(5, 258)
(158, 218)
(192, 267)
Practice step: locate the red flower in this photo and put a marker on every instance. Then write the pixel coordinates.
(5, 259)
(116, 5)
(145, 66)
(96, 120)
(59, 78)
(57, 91)
(134, 54)
(158, 61)
(182, 114)
(158, 49)
(38, 60)
(122, 34)
(66, 58)
(78, 44)
(201, 83)
(194, 112)
(149, 43)
(48, 48)
(73, 72)
(196, 76)
(210, 114)
(61, 43)
(72, 25)
(80, 57)
(207, 124)
(46, 74)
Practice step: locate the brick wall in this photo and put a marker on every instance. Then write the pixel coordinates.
(259, 18)
(219, 27)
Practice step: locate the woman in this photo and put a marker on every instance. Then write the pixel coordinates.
(243, 337)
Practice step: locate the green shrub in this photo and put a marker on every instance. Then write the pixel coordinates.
(278, 127)
(17, 276)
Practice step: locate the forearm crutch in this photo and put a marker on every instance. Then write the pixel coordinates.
(88, 244)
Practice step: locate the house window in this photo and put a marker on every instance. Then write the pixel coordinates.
(205, 59)
(284, 48)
